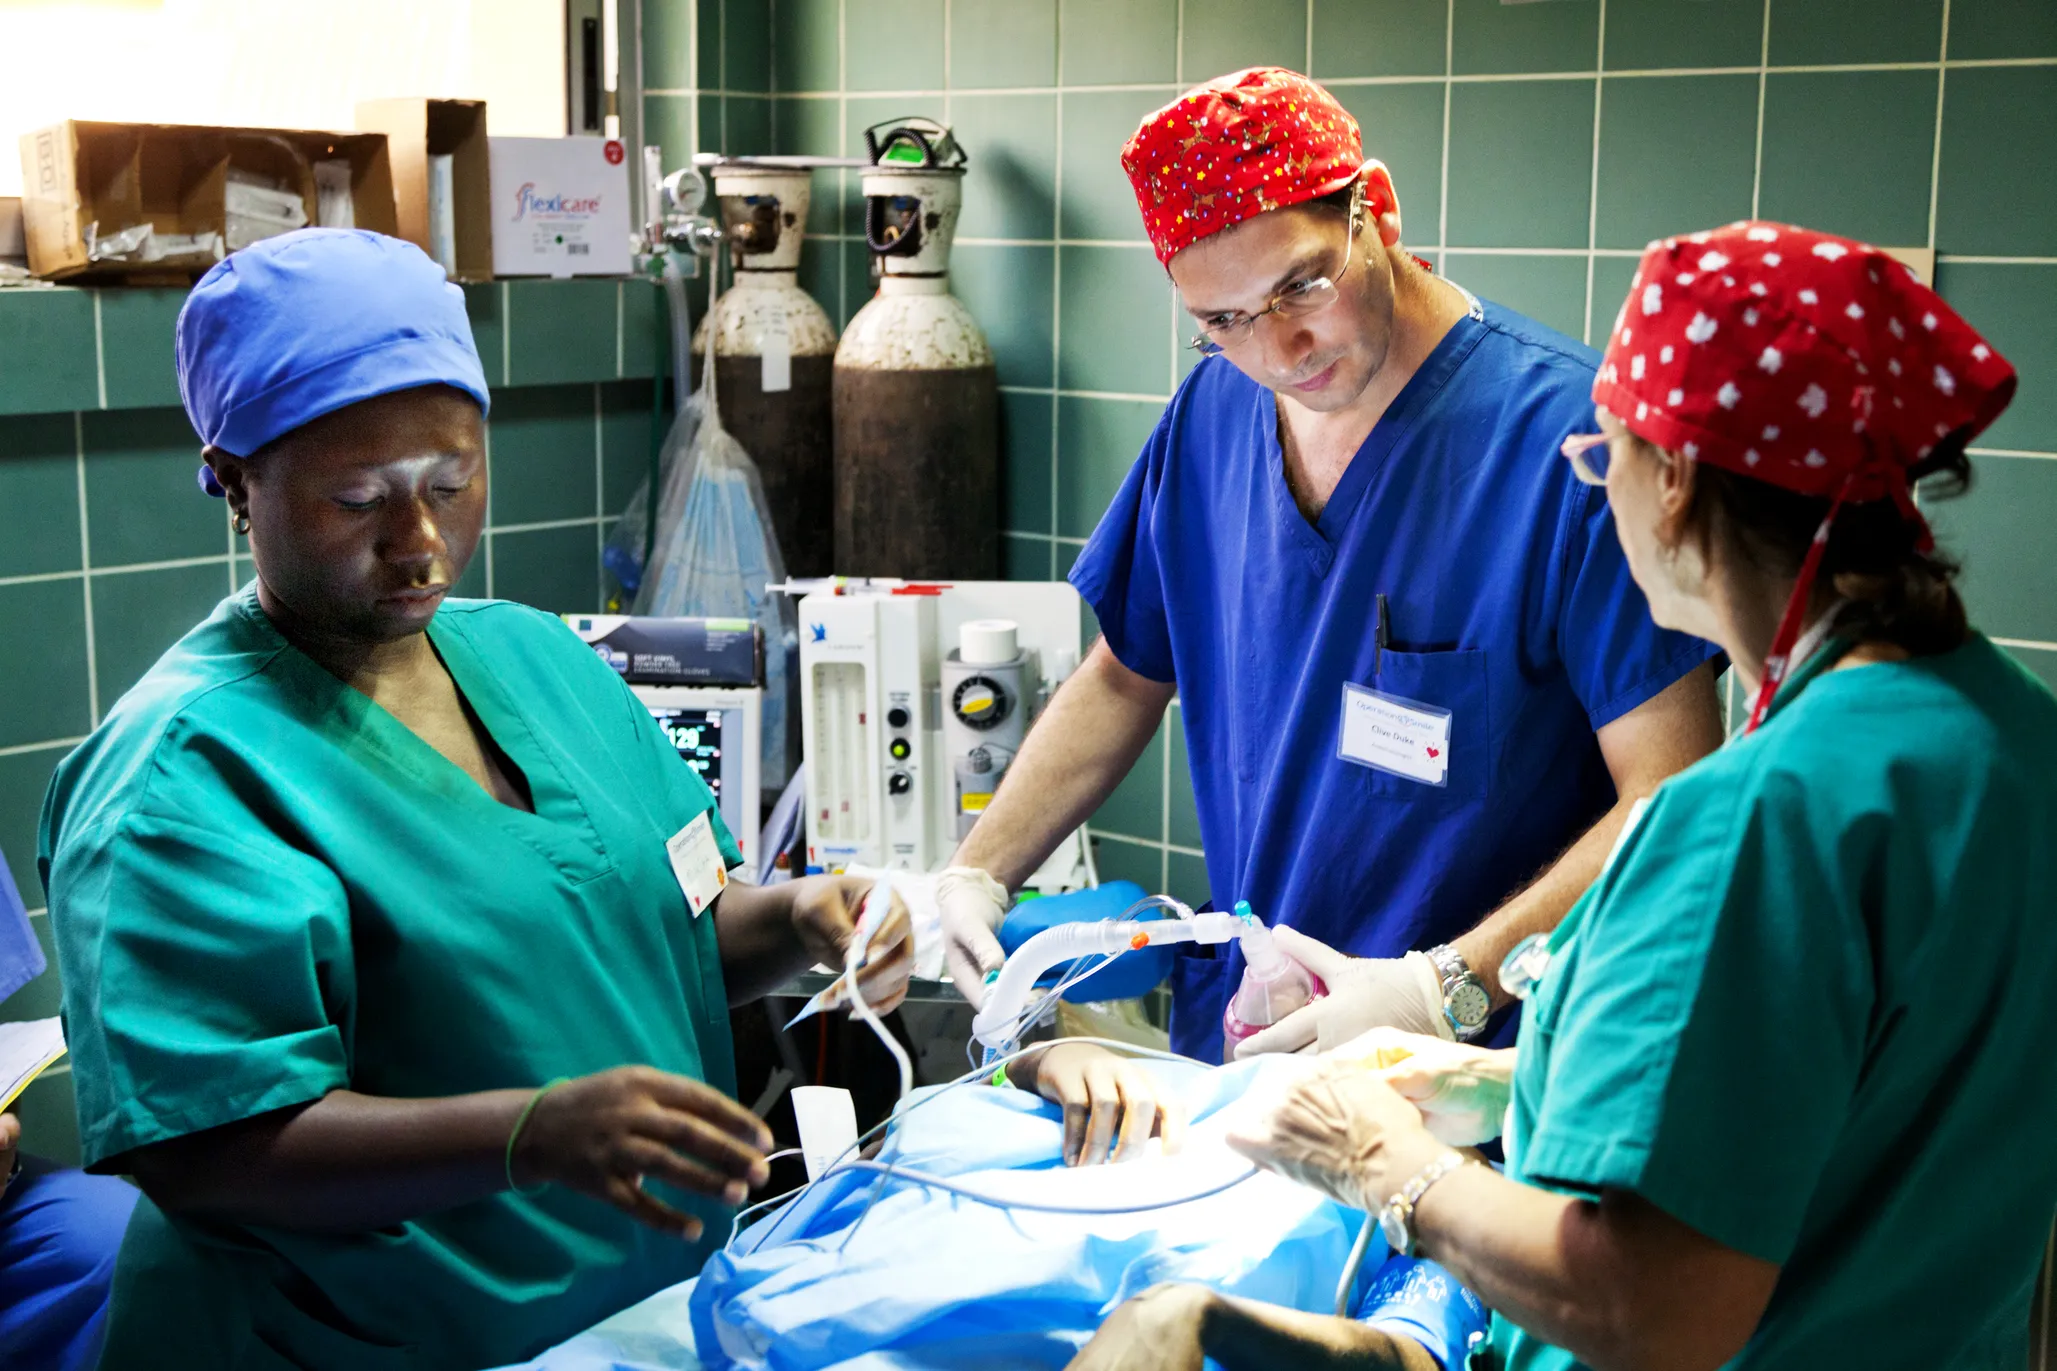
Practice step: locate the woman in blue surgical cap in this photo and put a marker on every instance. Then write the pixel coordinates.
(398, 942)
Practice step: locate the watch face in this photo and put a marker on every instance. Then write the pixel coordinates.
(1469, 1003)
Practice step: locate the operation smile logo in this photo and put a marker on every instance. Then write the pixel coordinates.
(526, 201)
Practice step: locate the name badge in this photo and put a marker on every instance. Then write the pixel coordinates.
(1389, 733)
(696, 861)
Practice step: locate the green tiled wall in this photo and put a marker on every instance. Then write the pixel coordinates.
(1536, 148)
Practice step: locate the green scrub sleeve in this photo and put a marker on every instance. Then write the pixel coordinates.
(1704, 1050)
(207, 979)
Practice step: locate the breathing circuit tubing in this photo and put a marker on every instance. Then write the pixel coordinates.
(1089, 946)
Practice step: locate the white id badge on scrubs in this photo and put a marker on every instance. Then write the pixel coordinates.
(1390, 733)
(696, 861)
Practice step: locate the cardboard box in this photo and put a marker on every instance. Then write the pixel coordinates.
(418, 130)
(560, 207)
(153, 200)
(680, 651)
(13, 247)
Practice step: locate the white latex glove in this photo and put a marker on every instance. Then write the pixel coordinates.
(972, 904)
(1462, 1091)
(1363, 993)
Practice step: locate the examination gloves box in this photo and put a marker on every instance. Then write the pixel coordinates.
(675, 651)
(152, 202)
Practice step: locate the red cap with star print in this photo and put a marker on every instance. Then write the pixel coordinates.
(1242, 144)
(1813, 362)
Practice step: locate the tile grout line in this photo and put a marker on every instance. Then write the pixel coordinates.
(1935, 169)
(1056, 304)
(1763, 80)
(99, 351)
(1593, 196)
(546, 525)
(1443, 192)
(599, 499)
(19, 749)
(78, 430)
(1430, 79)
(1178, 48)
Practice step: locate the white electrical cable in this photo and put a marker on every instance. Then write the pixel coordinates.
(983, 1073)
(908, 1173)
(1350, 1266)
(877, 908)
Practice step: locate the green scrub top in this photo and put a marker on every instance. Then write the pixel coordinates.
(1808, 1010)
(264, 887)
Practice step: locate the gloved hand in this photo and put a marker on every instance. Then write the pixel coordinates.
(1363, 993)
(971, 904)
(1462, 1091)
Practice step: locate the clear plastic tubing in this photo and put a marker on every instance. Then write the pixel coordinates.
(681, 334)
(1273, 986)
(1011, 991)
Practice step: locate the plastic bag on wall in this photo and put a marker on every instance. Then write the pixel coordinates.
(623, 555)
(716, 555)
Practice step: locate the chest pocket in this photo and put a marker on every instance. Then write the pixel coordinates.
(1453, 681)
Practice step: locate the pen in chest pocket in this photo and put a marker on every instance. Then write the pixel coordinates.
(1381, 635)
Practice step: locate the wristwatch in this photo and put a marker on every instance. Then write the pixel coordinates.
(1396, 1220)
(1466, 1004)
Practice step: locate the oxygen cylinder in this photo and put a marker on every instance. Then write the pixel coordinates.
(773, 351)
(916, 401)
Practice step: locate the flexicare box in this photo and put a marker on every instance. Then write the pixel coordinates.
(560, 207)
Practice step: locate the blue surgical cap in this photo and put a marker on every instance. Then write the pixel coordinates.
(298, 326)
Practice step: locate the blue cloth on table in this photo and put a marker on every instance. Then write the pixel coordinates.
(932, 1280)
(1510, 606)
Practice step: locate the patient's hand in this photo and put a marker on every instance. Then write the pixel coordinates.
(1108, 1101)
(1161, 1329)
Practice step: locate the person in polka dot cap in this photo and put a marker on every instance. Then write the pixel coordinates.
(1780, 1098)
(1418, 692)
(1812, 363)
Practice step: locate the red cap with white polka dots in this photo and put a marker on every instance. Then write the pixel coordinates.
(1813, 362)
(1796, 357)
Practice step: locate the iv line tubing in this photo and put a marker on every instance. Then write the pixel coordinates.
(970, 1077)
(908, 1173)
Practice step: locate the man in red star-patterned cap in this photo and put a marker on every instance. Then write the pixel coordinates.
(1419, 690)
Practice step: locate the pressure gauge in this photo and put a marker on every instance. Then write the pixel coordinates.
(979, 702)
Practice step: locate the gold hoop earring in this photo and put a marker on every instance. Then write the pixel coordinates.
(241, 523)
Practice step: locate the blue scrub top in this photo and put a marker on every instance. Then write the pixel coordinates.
(1510, 606)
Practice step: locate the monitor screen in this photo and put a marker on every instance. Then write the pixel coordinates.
(696, 733)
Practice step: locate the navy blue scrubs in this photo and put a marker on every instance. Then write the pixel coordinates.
(1509, 605)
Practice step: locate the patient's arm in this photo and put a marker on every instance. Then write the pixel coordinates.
(1246, 1335)
(1176, 1327)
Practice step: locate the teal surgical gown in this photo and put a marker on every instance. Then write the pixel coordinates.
(265, 887)
(1808, 1011)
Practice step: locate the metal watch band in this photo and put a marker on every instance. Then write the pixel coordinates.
(1457, 977)
(1396, 1220)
